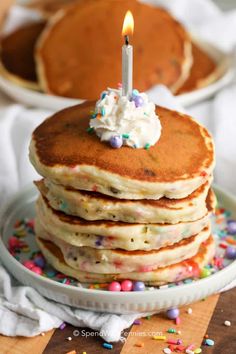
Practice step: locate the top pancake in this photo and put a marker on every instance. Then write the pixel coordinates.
(182, 160)
(80, 53)
(17, 54)
(202, 73)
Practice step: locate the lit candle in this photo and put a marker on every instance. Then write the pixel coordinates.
(127, 56)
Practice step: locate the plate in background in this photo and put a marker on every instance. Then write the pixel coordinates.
(42, 100)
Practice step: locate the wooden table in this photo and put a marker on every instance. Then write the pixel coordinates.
(208, 317)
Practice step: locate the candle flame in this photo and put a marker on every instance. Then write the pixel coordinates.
(128, 24)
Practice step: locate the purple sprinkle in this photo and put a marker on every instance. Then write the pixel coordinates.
(62, 326)
(99, 241)
(231, 225)
(137, 322)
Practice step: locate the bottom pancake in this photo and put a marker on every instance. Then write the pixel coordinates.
(186, 269)
(104, 261)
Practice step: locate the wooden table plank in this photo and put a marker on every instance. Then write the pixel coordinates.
(224, 337)
(193, 328)
(21, 345)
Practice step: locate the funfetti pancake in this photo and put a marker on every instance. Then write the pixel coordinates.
(49, 7)
(64, 151)
(175, 272)
(203, 71)
(104, 261)
(95, 206)
(111, 235)
(17, 55)
(79, 54)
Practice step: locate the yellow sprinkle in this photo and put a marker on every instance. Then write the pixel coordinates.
(197, 351)
(159, 337)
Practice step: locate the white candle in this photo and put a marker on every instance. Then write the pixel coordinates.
(127, 70)
(127, 56)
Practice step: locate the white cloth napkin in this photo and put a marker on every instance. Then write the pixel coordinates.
(22, 310)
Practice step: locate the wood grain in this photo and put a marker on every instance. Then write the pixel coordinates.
(224, 337)
(193, 328)
(21, 345)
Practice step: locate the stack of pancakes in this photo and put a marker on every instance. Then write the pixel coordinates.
(70, 55)
(139, 214)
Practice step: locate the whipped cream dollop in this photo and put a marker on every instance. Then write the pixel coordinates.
(133, 120)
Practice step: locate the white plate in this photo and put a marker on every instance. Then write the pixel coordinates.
(22, 206)
(42, 100)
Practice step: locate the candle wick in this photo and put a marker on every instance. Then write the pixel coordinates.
(126, 39)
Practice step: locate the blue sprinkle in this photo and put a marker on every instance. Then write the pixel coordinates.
(63, 206)
(103, 95)
(51, 273)
(103, 111)
(135, 92)
(188, 281)
(107, 345)
(93, 116)
(209, 342)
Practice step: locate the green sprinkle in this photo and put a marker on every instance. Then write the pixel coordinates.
(205, 273)
(90, 129)
(103, 111)
(125, 136)
(171, 330)
(145, 114)
(148, 317)
(64, 281)
(147, 146)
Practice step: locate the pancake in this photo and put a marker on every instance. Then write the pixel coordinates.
(78, 57)
(182, 160)
(95, 206)
(17, 55)
(49, 7)
(203, 71)
(104, 261)
(173, 273)
(111, 235)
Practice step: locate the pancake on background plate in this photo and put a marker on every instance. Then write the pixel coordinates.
(17, 55)
(79, 53)
(203, 71)
(49, 7)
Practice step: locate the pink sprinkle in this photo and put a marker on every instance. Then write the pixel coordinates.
(37, 270)
(177, 321)
(190, 347)
(119, 85)
(30, 223)
(62, 326)
(223, 245)
(172, 341)
(29, 264)
(179, 348)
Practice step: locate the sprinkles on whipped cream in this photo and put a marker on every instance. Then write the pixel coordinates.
(121, 120)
